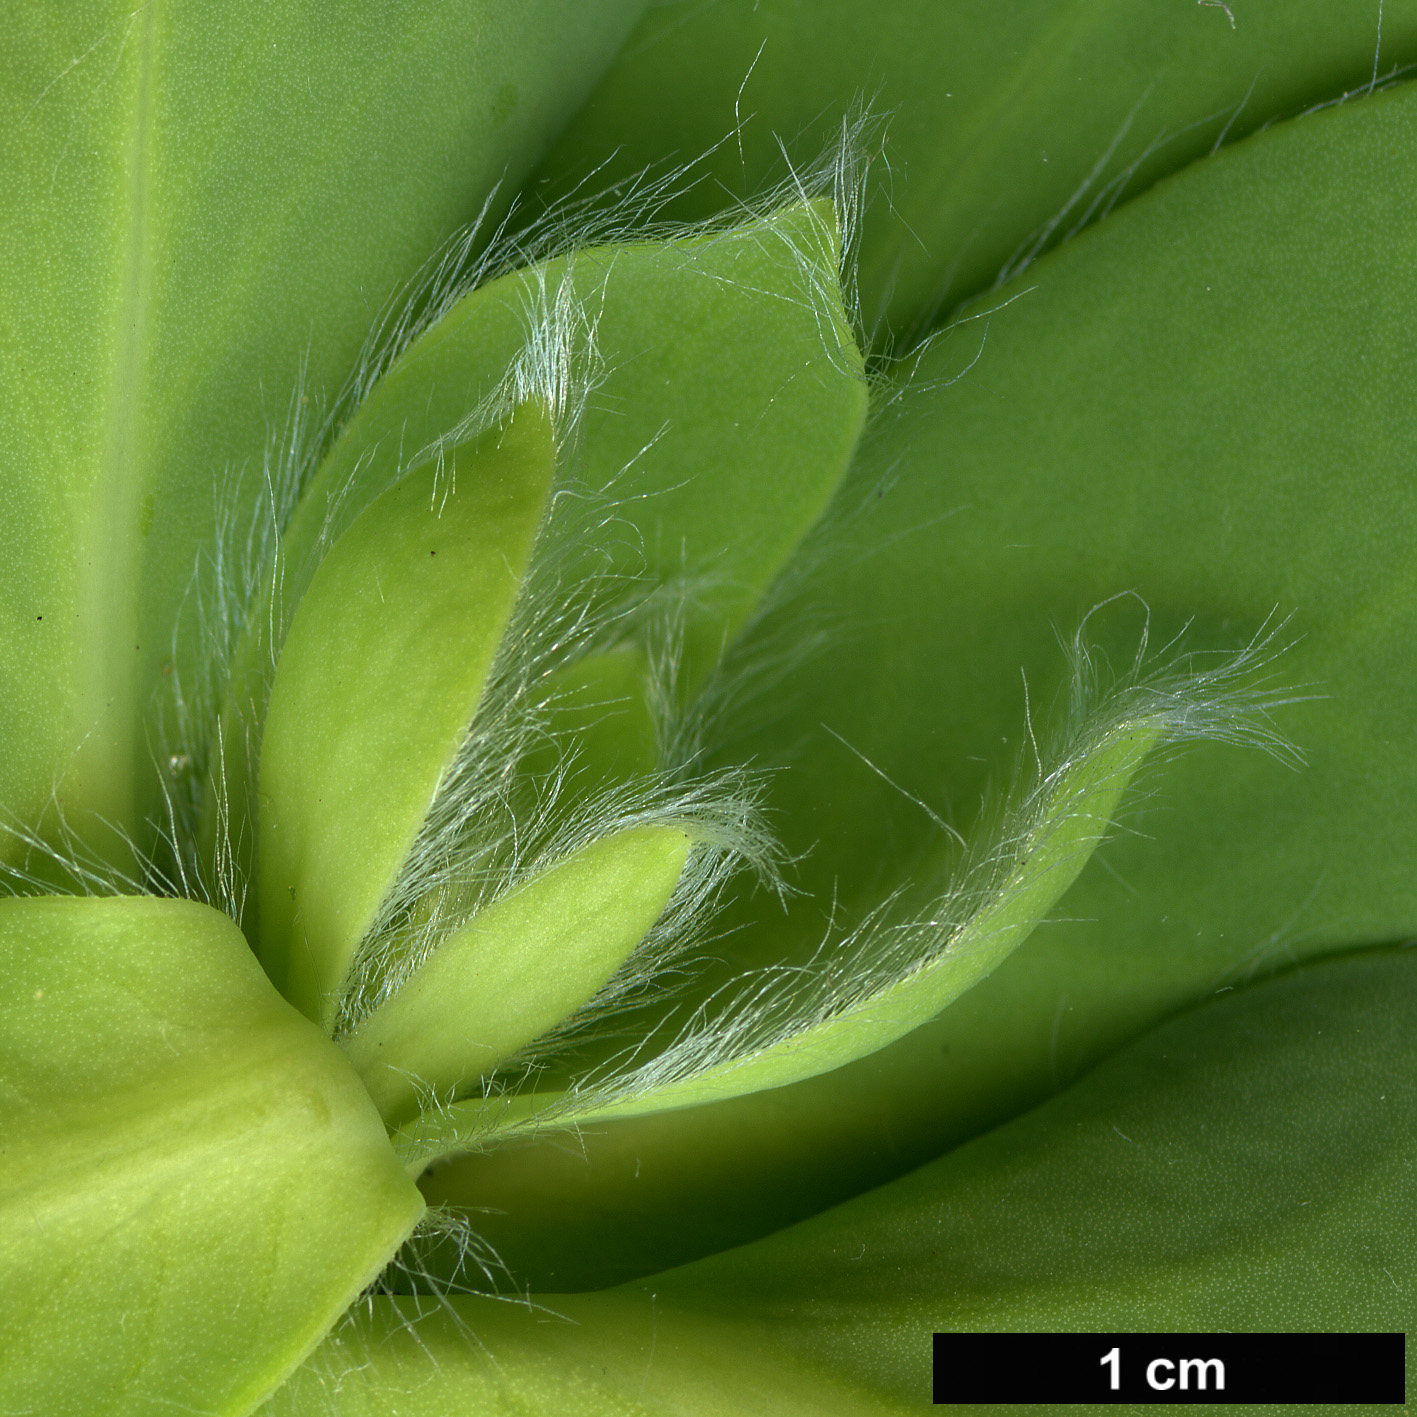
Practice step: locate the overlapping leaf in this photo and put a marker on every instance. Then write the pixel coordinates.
(1223, 453)
(1200, 407)
(1246, 1167)
(1008, 126)
(205, 207)
(193, 1183)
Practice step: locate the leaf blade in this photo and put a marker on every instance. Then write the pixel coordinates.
(1239, 1169)
(1007, 127)
(1220, 453)
(179, 1145)
(379, 678)
(196, 227)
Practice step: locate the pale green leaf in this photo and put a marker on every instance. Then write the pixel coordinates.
(723, 397)
(516, 969)
(380, 676)
(724, 389)
(193, 1184)
(1241, 1169)
(863, 994)
(601, 1357)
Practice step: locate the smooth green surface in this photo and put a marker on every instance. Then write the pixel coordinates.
(380, 677)
(597, 1357)
(193, 1184)
(516, 969)
(1006, 124)
(1248, 1167)
(603, 727)
(205, 207)
(1221, 452)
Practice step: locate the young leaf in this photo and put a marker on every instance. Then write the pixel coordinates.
(1239, 1169)
(1077, 813)
(1220, 451)
(380, 676)
(1159, 414)
(865, 992)
(723, 395)
(516, 969)
(726, 407)
(596, 1357)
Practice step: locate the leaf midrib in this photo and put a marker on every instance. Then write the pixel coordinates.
(108, 574)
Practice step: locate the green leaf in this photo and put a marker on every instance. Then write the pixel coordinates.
(725, 398)
(379, 678)
(516, 969)
(767, 1038)
(1239, 1169)
(193, 1184)
(600, 704)
(1007, 125)
(598, 1358)
(725, 401)
(1242, 1168)
(1157, 415)
(1220, 451)
(205, 208)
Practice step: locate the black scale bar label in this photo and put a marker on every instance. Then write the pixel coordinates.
(1170, 1367)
